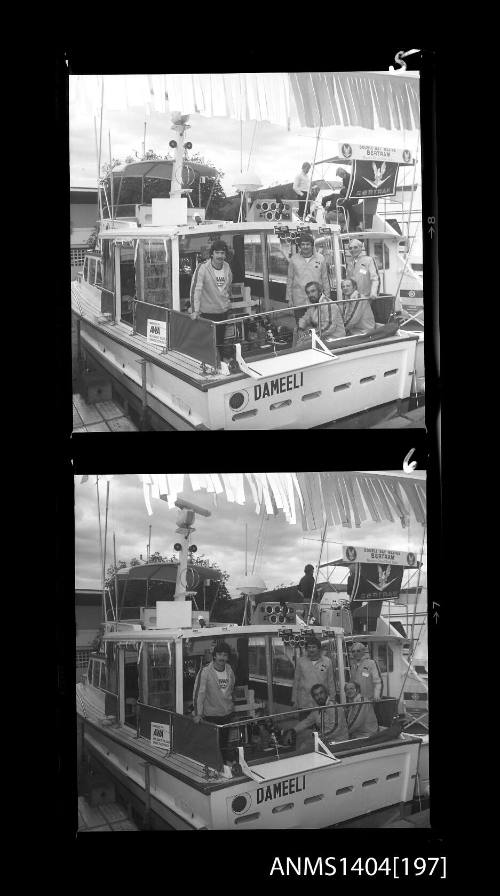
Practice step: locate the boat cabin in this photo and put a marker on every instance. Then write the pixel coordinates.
(142, 279)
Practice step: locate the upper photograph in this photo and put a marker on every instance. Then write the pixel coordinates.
(246, 251)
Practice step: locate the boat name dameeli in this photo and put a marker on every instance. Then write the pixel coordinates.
(281, 788)
(281, 384)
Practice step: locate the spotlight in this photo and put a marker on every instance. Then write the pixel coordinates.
(188, 145)
(177, 546)
(192, 548)
(173, 144)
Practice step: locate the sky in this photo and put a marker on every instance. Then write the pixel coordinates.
(221, 538)
(276, 157)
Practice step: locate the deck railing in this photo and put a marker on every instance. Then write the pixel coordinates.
(266, 736)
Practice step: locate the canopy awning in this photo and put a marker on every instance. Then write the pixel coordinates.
(165, 572)
(161, 168)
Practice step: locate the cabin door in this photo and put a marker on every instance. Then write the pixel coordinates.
(129, 685)
(125, 283)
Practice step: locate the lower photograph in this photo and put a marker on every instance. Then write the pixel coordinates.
(251, 651)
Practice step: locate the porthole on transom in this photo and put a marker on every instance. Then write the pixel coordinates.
(238, 400)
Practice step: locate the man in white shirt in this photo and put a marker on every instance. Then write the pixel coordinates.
(301, 187)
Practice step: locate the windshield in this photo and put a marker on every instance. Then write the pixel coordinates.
(264, 668)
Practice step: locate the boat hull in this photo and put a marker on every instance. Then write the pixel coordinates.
(306, 791)
(313, 390)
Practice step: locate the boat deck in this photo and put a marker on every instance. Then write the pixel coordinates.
(192, 371)
(175, 361)
(191, 771)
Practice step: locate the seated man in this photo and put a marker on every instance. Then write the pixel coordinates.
(324, 316)
(332, 726)
(361, 718)
(358, 315)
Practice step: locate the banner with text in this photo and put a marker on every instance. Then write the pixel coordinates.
(365, 152)
(379, 555)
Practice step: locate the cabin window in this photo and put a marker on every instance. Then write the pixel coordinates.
(127, 282)
(278, 254)
(98, 276)
(108, 265)
(97, 665)
(284, 659)
(157, 675)
(91, 270)
(86, 268)
(244, 258)
(380, 251)
(111, 668)
(197, 652)
(154, 272)
(385, 658)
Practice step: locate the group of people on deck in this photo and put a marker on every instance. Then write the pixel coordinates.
(313, 688)
(314, 685)
(307, 284)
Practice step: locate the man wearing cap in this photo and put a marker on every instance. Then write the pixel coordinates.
(211, 289)
(365, 673)
(304, 266)
(311, 669)
(362, 268)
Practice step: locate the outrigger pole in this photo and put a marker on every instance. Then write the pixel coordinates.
(317, 573)
(414, 647)
(312, 174)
